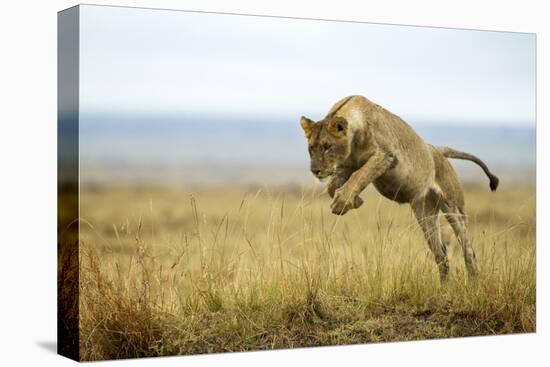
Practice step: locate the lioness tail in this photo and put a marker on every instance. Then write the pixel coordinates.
(451, 153)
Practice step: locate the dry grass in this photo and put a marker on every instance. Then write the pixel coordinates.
(165, 272)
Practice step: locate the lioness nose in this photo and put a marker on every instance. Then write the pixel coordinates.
(316, 171)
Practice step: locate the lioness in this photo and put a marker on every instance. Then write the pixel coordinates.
(359, 142)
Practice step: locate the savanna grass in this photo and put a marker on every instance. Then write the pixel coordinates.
(165, 272)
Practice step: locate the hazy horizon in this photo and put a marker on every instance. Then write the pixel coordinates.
(201, 149)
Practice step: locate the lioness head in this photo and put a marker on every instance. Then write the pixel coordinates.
(328, 144)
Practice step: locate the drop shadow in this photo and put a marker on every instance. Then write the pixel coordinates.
(48, 345)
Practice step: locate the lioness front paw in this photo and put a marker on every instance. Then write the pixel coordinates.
(344, 201)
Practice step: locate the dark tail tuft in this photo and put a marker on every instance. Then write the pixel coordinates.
(451, 153)
(493, 182)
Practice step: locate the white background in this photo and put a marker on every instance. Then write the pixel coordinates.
(28, 182)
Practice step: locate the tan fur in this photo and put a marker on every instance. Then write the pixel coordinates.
(359, 143)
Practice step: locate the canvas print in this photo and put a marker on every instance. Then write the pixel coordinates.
(235, 183)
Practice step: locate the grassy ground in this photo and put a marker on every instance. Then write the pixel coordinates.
(166, 272)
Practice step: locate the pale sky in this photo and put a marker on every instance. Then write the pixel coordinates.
(173, 62)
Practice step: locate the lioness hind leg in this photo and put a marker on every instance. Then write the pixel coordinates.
(427, 215)
(446, 235)
(452, 204)
(456, 218)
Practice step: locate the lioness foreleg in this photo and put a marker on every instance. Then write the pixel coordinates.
(339, 178)
(375, 166)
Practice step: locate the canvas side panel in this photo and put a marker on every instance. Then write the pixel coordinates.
(68, 183)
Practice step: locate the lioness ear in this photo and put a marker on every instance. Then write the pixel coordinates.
(307, 125)
(338, 126)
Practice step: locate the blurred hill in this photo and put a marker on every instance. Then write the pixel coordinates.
(259, 150)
